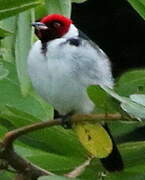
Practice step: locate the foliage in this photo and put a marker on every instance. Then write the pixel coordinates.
(139, 5)
(54, 178)
(9, 8)
(56, 149)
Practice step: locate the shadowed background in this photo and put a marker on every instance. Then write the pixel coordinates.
(117, 28)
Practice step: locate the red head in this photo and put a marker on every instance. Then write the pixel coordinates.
(51, 27)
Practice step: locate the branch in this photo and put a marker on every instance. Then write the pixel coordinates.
(14, 134)
(21, 165)
(24, 167)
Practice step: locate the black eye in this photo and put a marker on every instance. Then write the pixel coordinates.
(56, 25)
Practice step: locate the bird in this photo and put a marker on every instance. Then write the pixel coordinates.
(62, 63)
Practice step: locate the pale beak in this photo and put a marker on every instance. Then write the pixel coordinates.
(39, 26)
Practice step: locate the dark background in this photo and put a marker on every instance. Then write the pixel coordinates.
(117, 28)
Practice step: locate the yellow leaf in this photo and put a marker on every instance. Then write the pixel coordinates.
(94, 138)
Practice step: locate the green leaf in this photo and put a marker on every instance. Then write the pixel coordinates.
(3, 72)
(40, 11)
(59, 7)
(139, 6)
(3, 130)
(126, 176)
(137, 107)
(7, 44)
(134, 162)
(28, 118)
(6, 175)
(10, 8)
(54, 178)
(92, 172)
(51, 161)
(121, 130)
(101, 99)
(48, 109)
(22, 47)
(133, 109)
(78, 1)
(4, 32)
(112, 93)
(132, 82)
(138, 98)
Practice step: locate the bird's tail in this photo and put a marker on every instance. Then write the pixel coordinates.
(114, 161)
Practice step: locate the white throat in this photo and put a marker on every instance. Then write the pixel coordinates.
(73, 31)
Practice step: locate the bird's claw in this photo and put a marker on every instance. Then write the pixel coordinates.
(66, 122)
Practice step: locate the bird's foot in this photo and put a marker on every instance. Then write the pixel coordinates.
(66, 122)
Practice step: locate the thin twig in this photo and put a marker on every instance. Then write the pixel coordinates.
(78, 170)
(96, 117)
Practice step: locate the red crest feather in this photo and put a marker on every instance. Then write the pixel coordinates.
(64, 21)
(56, 17)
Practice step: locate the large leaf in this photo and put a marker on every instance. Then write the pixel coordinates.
(3, 72)
(131, 82)
(138, 98)
(8, 43)
(40, 12)
(10, 8)
(138, 104)
(4, 32)
(22, 47)
(132, 108)
(103, 102)
(49, 161)
(59, 7)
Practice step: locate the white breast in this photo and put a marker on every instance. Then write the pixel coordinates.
(55, 82)
(63, 74)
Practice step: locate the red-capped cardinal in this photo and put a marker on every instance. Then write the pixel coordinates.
(62, 64)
